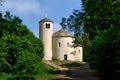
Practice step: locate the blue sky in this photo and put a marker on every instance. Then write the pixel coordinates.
(32, 11)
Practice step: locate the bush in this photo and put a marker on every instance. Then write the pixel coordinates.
(27, 65)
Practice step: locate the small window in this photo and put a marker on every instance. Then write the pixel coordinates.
(79, 51)
(48, 26)
(59, 44)
(68, 44)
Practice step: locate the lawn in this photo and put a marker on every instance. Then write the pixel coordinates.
(46, 71)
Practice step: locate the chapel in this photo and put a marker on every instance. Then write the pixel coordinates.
(58, 45)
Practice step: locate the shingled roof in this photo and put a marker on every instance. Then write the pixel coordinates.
(46, 20)
(62, 33)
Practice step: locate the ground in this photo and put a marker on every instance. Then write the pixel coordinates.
(73, 71)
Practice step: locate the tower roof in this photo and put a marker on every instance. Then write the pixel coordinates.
(46, 20)
(62, 33)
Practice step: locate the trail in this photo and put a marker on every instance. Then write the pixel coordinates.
(77, 71)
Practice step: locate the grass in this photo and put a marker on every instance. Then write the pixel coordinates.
(4, 76)
(46, 71)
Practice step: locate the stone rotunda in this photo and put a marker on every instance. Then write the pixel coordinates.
(58, 45)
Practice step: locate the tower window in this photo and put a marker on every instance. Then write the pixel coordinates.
(59, 44)
(47, 25)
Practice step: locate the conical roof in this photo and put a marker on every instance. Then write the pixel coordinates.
(62, 33)
(46, 20)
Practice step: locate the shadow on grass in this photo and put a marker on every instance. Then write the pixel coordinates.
(21, 78)
(73, 64)
(55, 72)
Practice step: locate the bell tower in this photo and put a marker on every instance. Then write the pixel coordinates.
(45, 34)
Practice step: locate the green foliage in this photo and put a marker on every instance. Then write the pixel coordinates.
(63, 23)
(103, 27)
(27, 65)
(20, 51)
(100, 15)
(74, 22)
(105, 53)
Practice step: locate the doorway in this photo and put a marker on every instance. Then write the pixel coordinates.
(65, 57)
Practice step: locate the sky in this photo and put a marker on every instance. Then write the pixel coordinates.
(32, 11)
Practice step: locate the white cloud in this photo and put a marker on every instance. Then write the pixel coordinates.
(22, 6)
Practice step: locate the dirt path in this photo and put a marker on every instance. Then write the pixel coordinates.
(74, 71)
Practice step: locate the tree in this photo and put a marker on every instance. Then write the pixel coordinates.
(100, 15)
(19, 47)
(104, 22)
(63, 23)
(105, 54)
